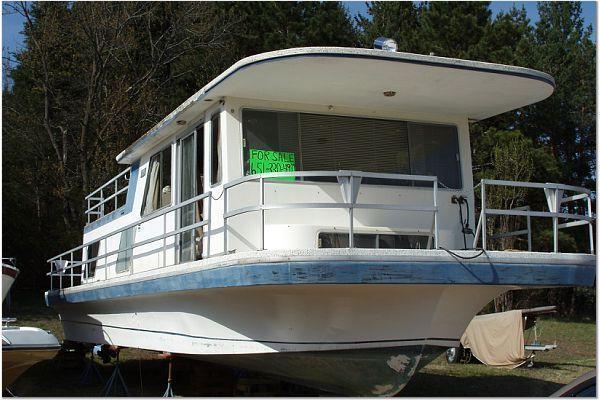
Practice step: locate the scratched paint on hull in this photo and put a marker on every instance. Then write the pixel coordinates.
(365, 372)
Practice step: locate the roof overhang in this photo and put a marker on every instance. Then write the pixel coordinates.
(358, 78)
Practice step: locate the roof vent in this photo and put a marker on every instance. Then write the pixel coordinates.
(386, 44)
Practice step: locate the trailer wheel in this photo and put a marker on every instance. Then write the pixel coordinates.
(453, 355)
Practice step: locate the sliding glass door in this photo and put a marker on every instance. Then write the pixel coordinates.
(190, 185)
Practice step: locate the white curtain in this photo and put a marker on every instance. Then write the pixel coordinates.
(153, 194)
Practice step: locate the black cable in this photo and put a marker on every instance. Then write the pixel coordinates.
(462, 224)
(468, 218)
(459, 256)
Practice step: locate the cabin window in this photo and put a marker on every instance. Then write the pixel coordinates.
(92, 252)
(311, 142)
(215, 143)
(434, 152)
(336, 240)
(158, 183)
(125, 256)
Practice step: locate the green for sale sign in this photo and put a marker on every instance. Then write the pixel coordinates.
(265, 161)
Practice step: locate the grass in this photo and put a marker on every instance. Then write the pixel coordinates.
(146, 373)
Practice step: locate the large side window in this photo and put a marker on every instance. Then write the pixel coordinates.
(434, 152)
(158, 183)
(92, 252)
(125, 256)
(286, 141)
(215, 155)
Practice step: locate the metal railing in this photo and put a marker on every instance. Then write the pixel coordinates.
(96, 201)
(554, 196)
(350, 183)
(68, 262)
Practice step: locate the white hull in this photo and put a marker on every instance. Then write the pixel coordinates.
(7, 282)
(9, 274)
(268, 319)
(306, 333)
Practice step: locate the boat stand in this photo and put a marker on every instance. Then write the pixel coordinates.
(116, 384)
(91, 372)
(169, 391)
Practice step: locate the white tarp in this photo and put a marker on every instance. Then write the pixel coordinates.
(497, 339)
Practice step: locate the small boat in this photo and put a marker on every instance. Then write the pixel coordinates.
(22, 347)
(498, 339)
(301, 215)
(9, 274)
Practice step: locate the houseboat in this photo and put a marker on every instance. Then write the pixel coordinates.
(299, 216)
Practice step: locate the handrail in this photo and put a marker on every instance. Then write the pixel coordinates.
(147, 218)
(554, 197)
(98, 208)
(74, 264)
(350, 182)
(114, 178)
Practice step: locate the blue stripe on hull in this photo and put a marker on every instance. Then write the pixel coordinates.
(346, 272)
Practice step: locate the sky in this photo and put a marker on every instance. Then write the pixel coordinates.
(588, 9)
(12, 24)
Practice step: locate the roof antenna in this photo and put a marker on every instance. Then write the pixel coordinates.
(386, 44)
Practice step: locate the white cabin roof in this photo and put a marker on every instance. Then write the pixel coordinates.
(358, 78)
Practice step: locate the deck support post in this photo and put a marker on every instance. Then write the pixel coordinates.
(483, 218)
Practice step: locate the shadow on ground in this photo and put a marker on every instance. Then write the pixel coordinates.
(434, 385)
(148, 378)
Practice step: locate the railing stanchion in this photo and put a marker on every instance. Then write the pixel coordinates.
(225, 220)
(101, 209)
(436, 232)
(209, 230)
(105, 260)
(590, 227)
(164, 246)
(351, 214)
(116, 195)
(72, 270)
(483, 218)
(529, 244)
(262, 213)
(555, 219)
(60, 276)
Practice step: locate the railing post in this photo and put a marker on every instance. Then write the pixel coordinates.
(101, 208)
(351, 213)
(165, 240)
(436, 232)
(60, 277)
(72, 270)
(262, 213)
(224, 220)
(590, 227)
(528, 232)
(105, 260)
(483, 218)
(51, 278)
(209, 230)
(555, 219)
(116, 190)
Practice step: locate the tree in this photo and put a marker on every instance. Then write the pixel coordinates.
(566, 121)
(399, 20)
